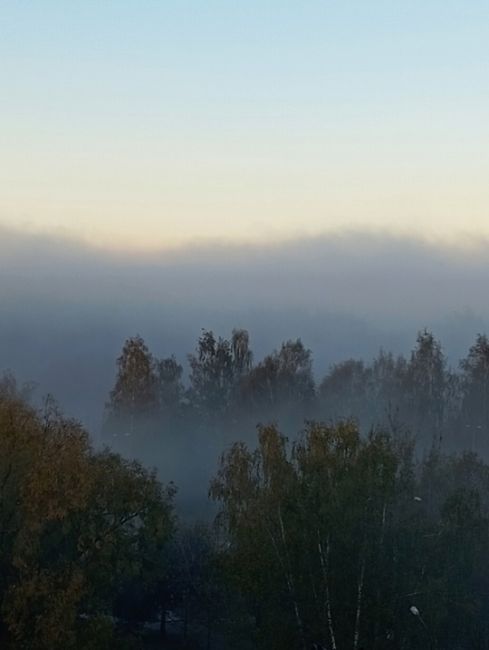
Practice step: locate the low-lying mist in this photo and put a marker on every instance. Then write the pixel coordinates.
(67, 307)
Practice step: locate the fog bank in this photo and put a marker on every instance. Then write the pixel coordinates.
(66, 307)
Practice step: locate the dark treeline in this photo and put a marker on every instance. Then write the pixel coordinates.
(228, 392)
(357, 518)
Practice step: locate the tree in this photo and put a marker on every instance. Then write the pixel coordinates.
(426, 384)
(217, 369)
(170, 387)
(344, 391)
(343, 541)
(74, 524)
(249, 486)
(387, 391)
(475, 388)
(242, 356)
(309, 533)
(134, 397)
(283, 378)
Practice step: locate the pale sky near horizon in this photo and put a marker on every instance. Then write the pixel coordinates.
(145, 124)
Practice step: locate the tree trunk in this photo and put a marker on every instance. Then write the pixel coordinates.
(361, 578)
(290, 582)
(325, 569)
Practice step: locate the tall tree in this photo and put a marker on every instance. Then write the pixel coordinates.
(387, 390)
(311, 534)
(170, 386)
(211, 374)
(344, 391)
(426, 383)
(74, 525)
(283, 378)
(134, 397)
(475, 390)
(242, 356)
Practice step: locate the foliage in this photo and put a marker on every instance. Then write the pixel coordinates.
(230, 392)
(334, 538)
(73, 525)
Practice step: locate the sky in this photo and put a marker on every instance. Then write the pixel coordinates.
(157, 124)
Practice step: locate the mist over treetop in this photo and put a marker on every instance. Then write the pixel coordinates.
(67, 307)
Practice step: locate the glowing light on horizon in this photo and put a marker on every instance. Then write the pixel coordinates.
(255, 124)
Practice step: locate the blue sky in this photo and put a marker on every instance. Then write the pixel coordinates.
(152, 124)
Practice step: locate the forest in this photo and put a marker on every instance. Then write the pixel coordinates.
(243, 504)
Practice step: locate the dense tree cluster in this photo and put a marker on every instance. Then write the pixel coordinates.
(344, 542)
(357, 523)
(421, 393)
(75, 527)
(227, 390)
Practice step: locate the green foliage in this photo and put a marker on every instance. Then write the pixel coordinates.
(230, 392)
(73, 525)
(334, 538)
(135, 391)
(475, 385)
(283, 377)
(340, 539)
(216, 371)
